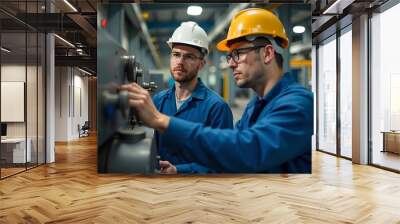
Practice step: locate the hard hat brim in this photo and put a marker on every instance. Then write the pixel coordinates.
(223, 45)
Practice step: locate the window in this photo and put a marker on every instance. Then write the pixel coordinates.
(327, 96)
(385, 89)
(346, 93)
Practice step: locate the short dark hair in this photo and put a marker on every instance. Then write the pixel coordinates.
(260, 41)
(264, 41)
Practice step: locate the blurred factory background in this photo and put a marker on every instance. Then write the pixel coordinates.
(143, 30)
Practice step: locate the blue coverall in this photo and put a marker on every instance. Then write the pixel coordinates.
(275, 138)
(205, 107)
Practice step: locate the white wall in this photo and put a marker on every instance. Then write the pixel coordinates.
(80, 100)
(61, 103)
(33, 127)
(14, 73)
(71, 87)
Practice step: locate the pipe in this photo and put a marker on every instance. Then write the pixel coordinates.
(146, 34)
(224, 23)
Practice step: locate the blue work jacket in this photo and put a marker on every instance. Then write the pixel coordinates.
(275, 138)
(204, 107)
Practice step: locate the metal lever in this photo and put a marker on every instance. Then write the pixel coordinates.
(149, 85)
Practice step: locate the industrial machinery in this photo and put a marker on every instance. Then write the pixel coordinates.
(124, 145)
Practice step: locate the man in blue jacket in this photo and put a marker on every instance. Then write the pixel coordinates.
(274, 133)
(189, 98)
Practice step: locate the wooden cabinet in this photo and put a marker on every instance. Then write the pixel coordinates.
(391, 141)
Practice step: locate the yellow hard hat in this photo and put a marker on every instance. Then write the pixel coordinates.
(254, 22)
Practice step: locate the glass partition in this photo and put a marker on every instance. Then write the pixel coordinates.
(22, 89)
(13, 108)
(327, 96)
(41, 91)
(346, 93)
(385, 89)
(31, 97)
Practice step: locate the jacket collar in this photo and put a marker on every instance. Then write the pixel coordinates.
(199, 91)
(286, 80)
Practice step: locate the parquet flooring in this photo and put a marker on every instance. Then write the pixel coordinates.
(71, 191)
(10, 171)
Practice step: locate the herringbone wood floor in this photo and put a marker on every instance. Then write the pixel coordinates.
(71, 191)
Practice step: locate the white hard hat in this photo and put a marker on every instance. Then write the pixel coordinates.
(190, 33)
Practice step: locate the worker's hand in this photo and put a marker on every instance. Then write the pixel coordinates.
(167, 168)
(140, 99)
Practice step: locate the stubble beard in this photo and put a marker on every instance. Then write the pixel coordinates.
(189, 77)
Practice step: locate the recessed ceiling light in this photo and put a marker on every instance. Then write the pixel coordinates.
(84, 71)
(71, 6)
(64, 40)
(194, 10)
(5, 49)
(299, 29)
